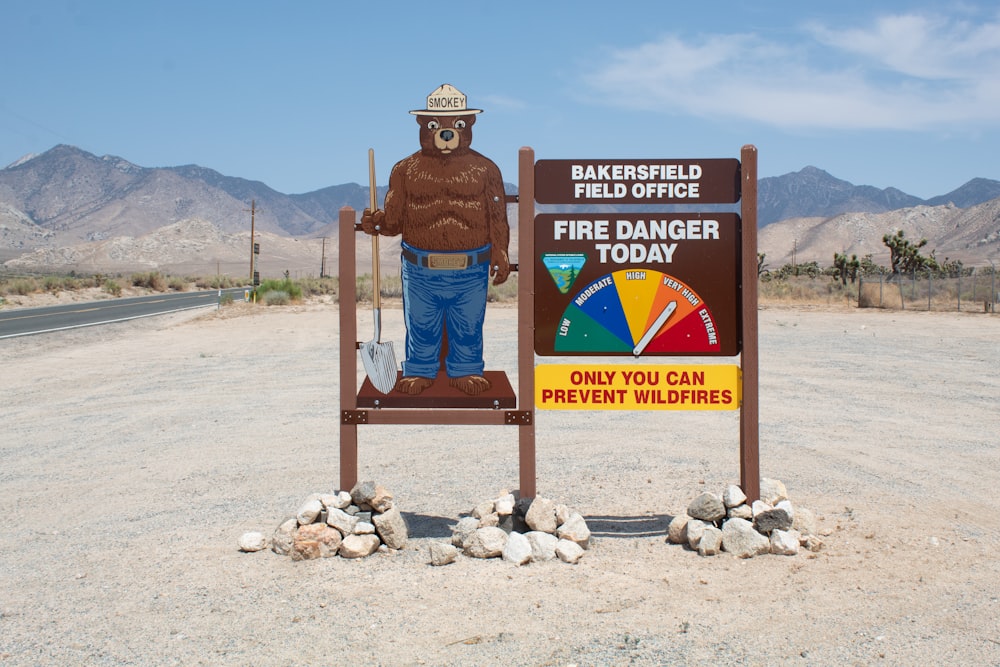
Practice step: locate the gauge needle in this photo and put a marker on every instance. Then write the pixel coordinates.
(661, 319)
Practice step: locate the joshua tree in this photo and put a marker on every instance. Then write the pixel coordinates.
(846, 268)
(904, 255)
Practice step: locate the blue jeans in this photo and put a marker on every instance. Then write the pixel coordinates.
(437, 298)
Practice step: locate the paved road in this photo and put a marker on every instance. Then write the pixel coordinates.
(28, 321)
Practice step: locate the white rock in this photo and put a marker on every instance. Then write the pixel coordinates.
(382, 501)
(695, 527)
(707, 507)
(740, 512)
(504, 505)
(569, 552)
(483, 509)
(804, 521)
(740, 539)
(442, 553)
(308, 512)
(772, 491)
(563, 513)
(391, 528)
(575, 528)
(517, 550)
(485, 543)
(363, 492)
(733, 496)
(677, 529)
(284, 536)
(787, 506)
(343, 500)
(364, 528)
(543, 545)
(785, 542)
(461, 531)
(341, 520)
(710, 543)
(359, 546)
(759, 507)
(252, 541)
(541, 515)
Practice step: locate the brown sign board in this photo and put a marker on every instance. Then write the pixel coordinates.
(637, 284)
(610, 182)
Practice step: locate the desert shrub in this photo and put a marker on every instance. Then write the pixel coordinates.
(215, 282)
(363, 289)
(275, 298)
(52, 283)
(153, 280)
(391, 287)
(22, 286)
(112, 287)
(504, 292)
(177, 284)
(318, 286)
(293, 292)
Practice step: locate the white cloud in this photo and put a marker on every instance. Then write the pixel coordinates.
(902, 72)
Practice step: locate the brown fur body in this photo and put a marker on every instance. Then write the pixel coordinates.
(446, 197)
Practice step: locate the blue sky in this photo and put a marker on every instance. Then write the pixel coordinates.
(902, 94)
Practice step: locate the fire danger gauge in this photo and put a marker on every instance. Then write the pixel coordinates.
(637, 312)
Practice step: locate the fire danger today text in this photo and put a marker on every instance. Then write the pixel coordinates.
(627, 241)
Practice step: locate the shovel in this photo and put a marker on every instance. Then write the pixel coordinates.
(378, 358)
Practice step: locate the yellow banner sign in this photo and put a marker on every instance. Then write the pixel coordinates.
(627, 387)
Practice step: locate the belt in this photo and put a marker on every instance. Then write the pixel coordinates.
(448, 261)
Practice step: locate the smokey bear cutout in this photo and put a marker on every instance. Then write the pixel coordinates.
(448, 203)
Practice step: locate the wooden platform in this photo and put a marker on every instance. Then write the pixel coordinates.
(442, 395)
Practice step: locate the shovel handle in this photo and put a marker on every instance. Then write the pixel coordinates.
(372, 205)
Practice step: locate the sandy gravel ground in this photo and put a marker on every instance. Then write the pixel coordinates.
(133, 456)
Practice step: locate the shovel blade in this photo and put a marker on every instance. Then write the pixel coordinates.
(379, 360)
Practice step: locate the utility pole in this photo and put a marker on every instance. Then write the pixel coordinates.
(253, 213)
(322, 264)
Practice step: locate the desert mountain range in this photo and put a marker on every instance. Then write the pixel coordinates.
(67, 209)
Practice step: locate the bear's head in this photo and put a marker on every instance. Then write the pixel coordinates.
(445, 135)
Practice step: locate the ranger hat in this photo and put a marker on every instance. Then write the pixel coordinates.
(446, 100)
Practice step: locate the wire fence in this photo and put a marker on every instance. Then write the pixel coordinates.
(975, 291)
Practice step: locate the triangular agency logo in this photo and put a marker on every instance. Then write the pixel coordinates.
(564, 267)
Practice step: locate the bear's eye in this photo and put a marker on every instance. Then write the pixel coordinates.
(433, 125)
(460, 124)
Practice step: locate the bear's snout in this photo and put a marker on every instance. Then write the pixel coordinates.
(446, 140)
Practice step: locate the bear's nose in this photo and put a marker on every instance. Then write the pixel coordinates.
(447, 135)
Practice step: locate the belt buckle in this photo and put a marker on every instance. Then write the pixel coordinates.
(447, 261)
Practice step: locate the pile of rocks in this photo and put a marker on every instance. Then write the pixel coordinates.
(725, 522)
(519, 531)
(351, 524)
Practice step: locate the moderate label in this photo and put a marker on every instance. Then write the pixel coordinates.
(707, 181)
(637, 387)
(637, 284)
